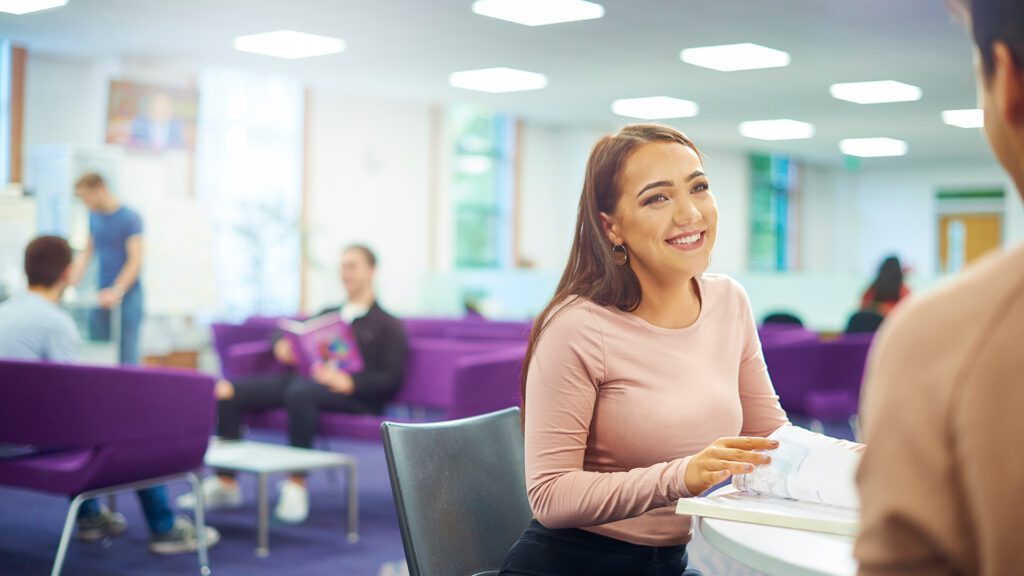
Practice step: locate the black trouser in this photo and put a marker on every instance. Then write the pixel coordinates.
(542, 551)
(302, 397)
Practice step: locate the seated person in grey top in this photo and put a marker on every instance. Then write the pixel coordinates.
(34, 327)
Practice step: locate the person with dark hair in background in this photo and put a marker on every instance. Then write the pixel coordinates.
(887, 290)
(115, 237)
(34, 327)
(644, 380)
(381, 340)
(940, 481)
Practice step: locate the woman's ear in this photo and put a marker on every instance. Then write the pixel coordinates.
(611, 228)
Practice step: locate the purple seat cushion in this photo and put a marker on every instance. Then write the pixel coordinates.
(831, 405)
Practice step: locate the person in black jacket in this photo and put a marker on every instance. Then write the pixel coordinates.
(382, 344)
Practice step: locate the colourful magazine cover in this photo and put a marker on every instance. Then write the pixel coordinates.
(322, 340)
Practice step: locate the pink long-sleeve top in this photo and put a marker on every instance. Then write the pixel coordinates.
(616, 406)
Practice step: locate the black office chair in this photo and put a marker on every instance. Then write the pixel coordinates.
(863, 321)
(782, 318)
(460, 492)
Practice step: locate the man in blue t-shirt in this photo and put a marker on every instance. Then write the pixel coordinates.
(34, 327)
(115, 236)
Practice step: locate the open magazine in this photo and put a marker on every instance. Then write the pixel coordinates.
(809, 485)
(322, 340)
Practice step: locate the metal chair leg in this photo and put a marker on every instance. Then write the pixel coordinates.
(332, 473)
(353, 504)
(65, 535)
(203, 551)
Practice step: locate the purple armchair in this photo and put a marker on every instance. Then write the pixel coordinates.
(90, 431)
(820, 380)
(487, 382)
(772, 335)
(244, 348)
(837, 395)
(467, 329)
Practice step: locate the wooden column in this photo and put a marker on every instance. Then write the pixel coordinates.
(18, 57)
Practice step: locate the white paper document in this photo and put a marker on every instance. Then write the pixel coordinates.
(809, 485)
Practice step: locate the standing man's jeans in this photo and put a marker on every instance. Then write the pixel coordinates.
(154, 500)
(154, 505)
(131, 322)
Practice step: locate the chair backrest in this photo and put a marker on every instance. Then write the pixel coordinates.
(67, 406)
(782, 318)
(794, 369)
(799, 369)
(228, 335)
(460, 491)
(101, 426)
(466, 328)
(847, 361)
(863, 321)
(488, 382)
(783, 334)
(430, 367)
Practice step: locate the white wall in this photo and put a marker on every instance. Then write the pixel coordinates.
(369, 181)
(729, 174)
(551, 180)
(65, 103)
(897, 211)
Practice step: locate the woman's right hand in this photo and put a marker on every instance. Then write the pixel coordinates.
(723, 457)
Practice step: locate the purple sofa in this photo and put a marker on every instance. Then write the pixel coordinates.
(443, 382)
(88, 431)
(454, 368)
(467, 328)
(819, 379)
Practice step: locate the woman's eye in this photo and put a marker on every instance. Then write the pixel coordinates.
(702, 187)
(657, 198)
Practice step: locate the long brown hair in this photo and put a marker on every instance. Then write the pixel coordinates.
(590, 272)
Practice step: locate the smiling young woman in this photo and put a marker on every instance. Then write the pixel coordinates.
(644, 380)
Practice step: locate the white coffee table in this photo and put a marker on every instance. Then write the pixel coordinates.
(781, 551)
(263, 459)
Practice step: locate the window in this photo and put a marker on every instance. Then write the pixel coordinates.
(773, 204)
(482, 188)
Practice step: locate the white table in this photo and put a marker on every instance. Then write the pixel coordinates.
(781, 551)
(263, 459)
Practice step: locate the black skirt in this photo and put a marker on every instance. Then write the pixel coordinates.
(543, 551)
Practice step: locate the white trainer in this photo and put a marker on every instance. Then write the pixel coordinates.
(216, 494)
(292, 503)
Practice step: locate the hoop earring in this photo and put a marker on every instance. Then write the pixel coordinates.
(619, 255)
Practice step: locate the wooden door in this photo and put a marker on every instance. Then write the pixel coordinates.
(964, 238)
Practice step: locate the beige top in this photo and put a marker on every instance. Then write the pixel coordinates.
(942, 479)
(615, 406)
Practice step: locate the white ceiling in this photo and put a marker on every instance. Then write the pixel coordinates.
(405, 49)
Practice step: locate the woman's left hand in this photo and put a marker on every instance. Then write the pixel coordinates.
(334, 379)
